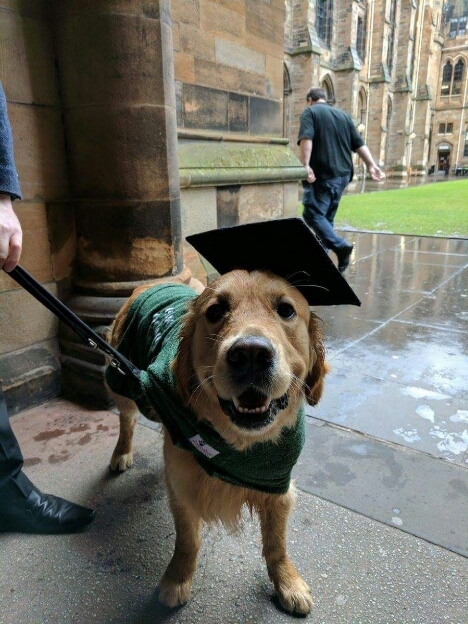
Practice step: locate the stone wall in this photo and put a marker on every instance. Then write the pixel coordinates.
(229, 65)
(229, 72)
(29, 366)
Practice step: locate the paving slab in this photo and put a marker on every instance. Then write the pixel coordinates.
(387, 482)
(412, 354)
(360, 570)
(405, 414)
(446, 309)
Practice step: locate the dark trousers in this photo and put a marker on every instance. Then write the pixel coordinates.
(321, 201)
(11, 459)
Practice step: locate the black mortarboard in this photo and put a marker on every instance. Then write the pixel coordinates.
(286, 247)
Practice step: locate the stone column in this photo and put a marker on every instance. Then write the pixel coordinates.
(115, 63)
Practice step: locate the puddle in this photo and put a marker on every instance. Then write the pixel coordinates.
(425, 412)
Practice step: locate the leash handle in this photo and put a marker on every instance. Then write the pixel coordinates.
(57, 307)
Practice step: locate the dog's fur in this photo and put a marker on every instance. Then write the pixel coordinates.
(248, 304)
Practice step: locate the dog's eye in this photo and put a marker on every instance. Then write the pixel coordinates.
(285, 310)
(216, 311)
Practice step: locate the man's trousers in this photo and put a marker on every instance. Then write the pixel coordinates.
(11, 458)
(321, 201)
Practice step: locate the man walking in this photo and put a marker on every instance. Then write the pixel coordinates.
(327, 136)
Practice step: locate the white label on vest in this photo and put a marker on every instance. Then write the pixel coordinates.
(200, 444)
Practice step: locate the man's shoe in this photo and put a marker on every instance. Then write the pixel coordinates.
(344, 255)
(39, 513)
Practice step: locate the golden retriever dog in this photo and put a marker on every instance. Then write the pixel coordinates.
(249, 354)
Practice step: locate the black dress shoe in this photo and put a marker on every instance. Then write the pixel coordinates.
(344, 255)
(38, 512)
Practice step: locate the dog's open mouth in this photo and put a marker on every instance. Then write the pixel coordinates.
(252, 409)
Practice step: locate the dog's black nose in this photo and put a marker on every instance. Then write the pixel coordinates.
(251, 354)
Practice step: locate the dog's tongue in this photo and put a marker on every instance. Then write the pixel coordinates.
(252, 400)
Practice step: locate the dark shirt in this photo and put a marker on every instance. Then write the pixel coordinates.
(334, 136)
(9, 184)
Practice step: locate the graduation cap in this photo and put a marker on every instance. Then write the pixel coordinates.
(286, 247)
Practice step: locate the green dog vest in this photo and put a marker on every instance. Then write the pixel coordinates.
(150, 340)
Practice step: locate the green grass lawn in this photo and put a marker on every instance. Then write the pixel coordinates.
(436, 209)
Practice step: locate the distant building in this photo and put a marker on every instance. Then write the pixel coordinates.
(399, 67)
(450, 119)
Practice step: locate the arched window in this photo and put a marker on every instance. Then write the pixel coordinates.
(462, 26)
(453, 28)
(362, 103)
(389, 112)
(361, 38)
(457, 27)
(391, 35)
(287, 88)
(446, 78)
(452, 78)
(447, 74)
(324, 20)
(455, 17)
(327, 86)
(458, 77)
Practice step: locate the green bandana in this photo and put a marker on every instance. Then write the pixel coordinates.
(150, 341)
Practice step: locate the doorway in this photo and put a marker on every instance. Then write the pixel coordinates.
(443, 161)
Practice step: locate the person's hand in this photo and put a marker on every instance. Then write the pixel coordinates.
(310, 175)
(11, 235)
(376, 173)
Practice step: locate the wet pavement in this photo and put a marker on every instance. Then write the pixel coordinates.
(398, 390)
(364, 184)
(409, 339)
(381, 526)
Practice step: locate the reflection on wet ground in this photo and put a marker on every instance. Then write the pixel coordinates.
(389, 438)
(400, 361)
(365, 185)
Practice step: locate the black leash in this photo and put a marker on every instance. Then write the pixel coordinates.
(37, 290)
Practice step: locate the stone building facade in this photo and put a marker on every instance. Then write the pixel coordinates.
(235, 163)
(383, 62)
(450, 114)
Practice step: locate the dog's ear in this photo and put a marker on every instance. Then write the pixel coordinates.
(315, 379)
(182, 366)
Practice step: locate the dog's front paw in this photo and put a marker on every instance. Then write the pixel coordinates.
(295, 596)
(120, 462)
(173, 594)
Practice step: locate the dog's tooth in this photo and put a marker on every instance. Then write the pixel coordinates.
(246, 410)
